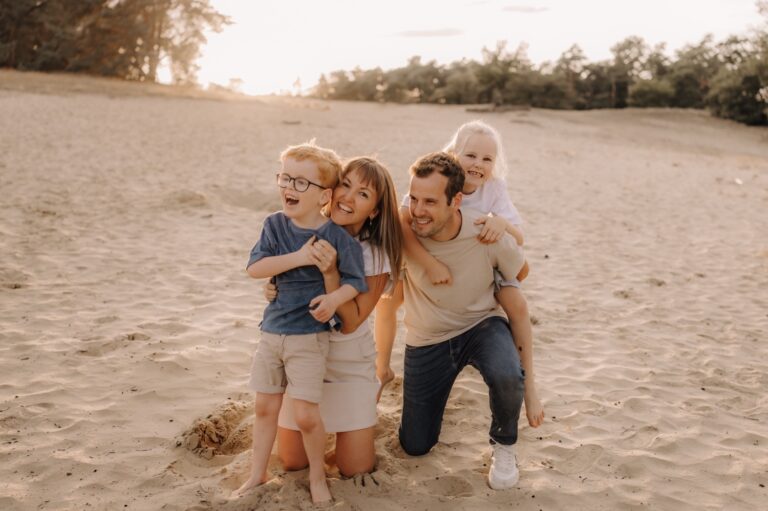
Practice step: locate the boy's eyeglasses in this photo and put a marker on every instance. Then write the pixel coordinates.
(299, 183)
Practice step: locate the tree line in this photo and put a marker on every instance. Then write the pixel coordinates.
(729, 77)
(128, 39)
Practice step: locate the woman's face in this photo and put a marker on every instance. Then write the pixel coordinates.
(353, 202)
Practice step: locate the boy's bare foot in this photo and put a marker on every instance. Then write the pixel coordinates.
(385, 380)
(247, 486)
(320, 493)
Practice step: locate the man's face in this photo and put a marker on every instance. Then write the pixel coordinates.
(429, 208)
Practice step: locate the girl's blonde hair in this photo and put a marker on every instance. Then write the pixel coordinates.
(383, 231)
(478, 127)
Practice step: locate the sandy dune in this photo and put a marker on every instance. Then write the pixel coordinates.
(127, 322)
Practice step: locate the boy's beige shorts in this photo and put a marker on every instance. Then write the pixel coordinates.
(290, 363)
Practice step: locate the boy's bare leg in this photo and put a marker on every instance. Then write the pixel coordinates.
(385, 330)
(266, 408)
(310, 423)
(514, 304)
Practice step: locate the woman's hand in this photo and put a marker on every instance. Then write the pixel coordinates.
(323, 256)
(493, 229)
(270, 291)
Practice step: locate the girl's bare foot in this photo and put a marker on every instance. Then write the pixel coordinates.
(533, 409)
(320, 492)
(385, 379)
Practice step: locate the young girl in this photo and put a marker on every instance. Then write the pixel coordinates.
(477, 147)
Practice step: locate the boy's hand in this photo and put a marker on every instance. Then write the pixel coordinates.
(439, 273)
(305, 252)
(270, 291)
(324, 256)
(493, 229)
(323, 307)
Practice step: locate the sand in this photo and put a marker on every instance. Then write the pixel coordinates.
(127, 321)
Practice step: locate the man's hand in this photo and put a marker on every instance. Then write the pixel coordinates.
(385, 375)
(494, 227)
(439, 273)
(323, 307)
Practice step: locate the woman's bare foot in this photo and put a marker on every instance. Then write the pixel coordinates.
(320, 492)
(385, 378)
(533, 409)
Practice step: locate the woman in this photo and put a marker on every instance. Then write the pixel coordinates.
(365, 204)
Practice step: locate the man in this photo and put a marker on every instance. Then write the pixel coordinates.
(450, 327)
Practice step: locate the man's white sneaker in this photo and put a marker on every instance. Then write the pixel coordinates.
(503, 473)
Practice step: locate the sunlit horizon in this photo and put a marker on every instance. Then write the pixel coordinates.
(284, 47)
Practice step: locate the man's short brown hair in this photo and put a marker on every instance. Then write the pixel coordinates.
(446, 165)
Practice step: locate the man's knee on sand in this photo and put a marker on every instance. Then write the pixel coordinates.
(413, 445)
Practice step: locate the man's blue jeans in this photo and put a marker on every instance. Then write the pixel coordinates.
(431, 370)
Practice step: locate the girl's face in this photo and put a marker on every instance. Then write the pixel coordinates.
(353, 202)
(477, 159)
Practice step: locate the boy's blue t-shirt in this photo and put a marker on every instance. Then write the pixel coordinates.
(289, 313)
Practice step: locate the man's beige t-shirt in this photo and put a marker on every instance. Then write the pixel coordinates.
(437, 313)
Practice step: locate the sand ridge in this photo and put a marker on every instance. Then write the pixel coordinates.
(127, 322)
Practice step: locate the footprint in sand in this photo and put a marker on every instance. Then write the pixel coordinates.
(95, 347)
(622, 293)
(450, 486)
(188, 198)
(225, 431)
(582, 458)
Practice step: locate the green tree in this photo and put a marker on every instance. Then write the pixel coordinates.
(122, 38)
(651, 93)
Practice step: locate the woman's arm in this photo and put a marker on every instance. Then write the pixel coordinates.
(353, 312)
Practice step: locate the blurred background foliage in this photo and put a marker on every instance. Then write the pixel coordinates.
(730, 78)
(120, 38)
(130, 39)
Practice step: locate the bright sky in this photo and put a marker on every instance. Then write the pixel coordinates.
(274, 42)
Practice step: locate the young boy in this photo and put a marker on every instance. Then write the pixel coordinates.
(294, 339)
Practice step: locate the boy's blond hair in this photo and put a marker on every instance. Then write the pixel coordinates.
(327, 161)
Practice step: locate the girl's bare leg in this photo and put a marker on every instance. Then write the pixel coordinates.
(385, 330)
(514, 304)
